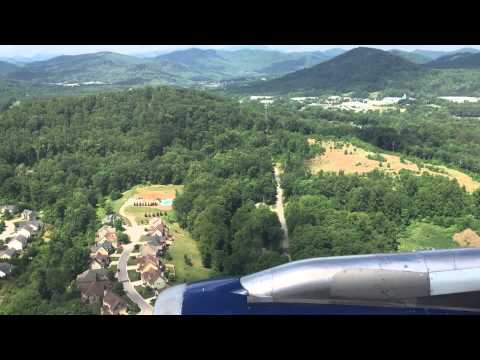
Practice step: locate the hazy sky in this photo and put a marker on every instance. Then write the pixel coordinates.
(31, 50)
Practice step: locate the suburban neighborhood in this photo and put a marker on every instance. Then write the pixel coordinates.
(17, 231)
(129, 286)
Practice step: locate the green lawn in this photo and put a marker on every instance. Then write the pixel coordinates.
(145, 292)
(139, 213)
(132, 261)
(184, 244)
(113, 268)
(133, 275)
(420, 236)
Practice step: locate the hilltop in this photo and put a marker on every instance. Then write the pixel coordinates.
(358, 69)
(463, 60)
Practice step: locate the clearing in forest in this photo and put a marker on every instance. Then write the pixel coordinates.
(351, 159)
(467, 238)
(167, 193)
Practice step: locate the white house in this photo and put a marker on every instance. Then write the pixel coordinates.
(18, 243)
(24, 232)
(28, 215)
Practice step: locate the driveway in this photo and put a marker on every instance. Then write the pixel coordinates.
(9, 229)
(135, 232)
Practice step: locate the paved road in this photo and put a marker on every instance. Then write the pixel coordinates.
(135, 232)
(280, 213)
(9, 228)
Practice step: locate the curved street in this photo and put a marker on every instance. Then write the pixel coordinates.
(134, 231)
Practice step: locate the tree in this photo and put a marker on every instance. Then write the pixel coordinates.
(123, 238)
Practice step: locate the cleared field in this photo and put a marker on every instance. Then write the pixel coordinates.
(352, 159)
(149, 192)
(467, 238)
(423, 236)
(184, 244)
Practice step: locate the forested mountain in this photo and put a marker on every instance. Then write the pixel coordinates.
(6, 68)
(358, 69)
(411, 56)
(461, 60)
(224, 64)
(183, 67)
(104, 67)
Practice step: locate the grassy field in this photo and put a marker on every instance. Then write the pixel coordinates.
(421, 236)
(139, 213)
(184, 244)
(349, 158)
(145, 292)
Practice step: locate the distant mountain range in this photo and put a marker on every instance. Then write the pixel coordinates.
(462, 60)
(182, 67)
(256, 70)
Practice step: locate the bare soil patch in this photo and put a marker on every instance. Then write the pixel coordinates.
(351, 159)
(467, 238)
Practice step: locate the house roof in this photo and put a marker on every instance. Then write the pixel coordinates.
(113, 301)
(6, 267)
(148, 259)
(10, 252)
(96, 288)
(149, 249)
(93, 275)
(150, 276)
(22, 239)
(107, 245)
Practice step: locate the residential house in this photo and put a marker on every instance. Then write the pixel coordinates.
(5, 269)
(28, 215)
(32, 227)
(18, 242)
(97, 249)
(113, 304)
(104, 248)
(153, 278)
(108, 246)
(8, 254)
(150, 249)
(12, 209)
(110, 219)
(89, 276)
(99, 262)
(106, 233)
(147, 263)
(24, 232)
(157, 228)
(92, 293)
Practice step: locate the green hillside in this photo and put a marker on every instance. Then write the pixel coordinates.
(358, 69)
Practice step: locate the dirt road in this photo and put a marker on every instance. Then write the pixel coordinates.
(279, 211)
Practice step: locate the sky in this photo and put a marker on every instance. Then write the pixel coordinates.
(35, 50)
